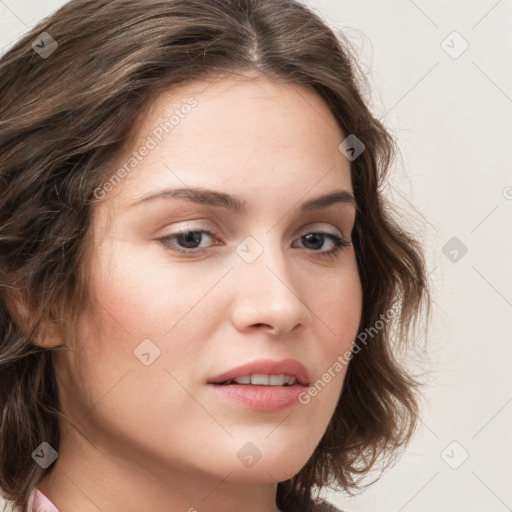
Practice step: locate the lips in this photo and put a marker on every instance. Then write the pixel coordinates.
(265, 386)
(286, 372)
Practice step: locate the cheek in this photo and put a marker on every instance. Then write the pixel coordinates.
(137, 299)
(337, 312)
(337, 308)
(146, 295)
(141, 297)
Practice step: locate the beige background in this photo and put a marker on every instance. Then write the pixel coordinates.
(452, 116)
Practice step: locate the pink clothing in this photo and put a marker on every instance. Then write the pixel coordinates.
(38, 502)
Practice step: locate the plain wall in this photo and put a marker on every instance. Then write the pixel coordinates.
(451, 115)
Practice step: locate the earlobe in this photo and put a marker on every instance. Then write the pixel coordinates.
(48, 335)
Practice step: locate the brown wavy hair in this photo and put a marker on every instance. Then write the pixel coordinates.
(65, 117)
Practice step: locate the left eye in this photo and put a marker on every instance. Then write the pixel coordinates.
(190, 241)
(318, 238)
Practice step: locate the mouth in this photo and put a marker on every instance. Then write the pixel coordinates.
(265, 372)
(259, 379)
(263, 386)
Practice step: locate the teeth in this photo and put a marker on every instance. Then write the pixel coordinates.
(276, 380)
(243, 380)
(259, 379)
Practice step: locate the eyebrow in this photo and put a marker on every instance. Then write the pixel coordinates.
(234, 203)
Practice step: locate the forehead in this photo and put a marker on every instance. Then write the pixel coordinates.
(235, 134)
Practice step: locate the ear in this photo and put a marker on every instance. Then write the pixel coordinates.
(46, 335)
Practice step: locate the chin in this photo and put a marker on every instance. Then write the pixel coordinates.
(265, 462)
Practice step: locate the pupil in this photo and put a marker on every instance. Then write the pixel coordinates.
(315, 237)
(189, 237)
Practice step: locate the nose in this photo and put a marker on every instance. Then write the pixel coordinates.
(267, 295)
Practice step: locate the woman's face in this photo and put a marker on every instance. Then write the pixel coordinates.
(264, 283)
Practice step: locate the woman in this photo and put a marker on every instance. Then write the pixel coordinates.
(202, 289)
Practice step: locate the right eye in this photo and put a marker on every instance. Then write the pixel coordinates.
(188, 240)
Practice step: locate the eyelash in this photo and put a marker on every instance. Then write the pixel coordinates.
(339, 242)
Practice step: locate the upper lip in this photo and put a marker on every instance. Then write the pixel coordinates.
(289, 367)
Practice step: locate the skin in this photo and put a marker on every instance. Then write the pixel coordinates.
(156, 437)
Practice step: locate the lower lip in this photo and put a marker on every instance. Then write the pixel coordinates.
(261, 398)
